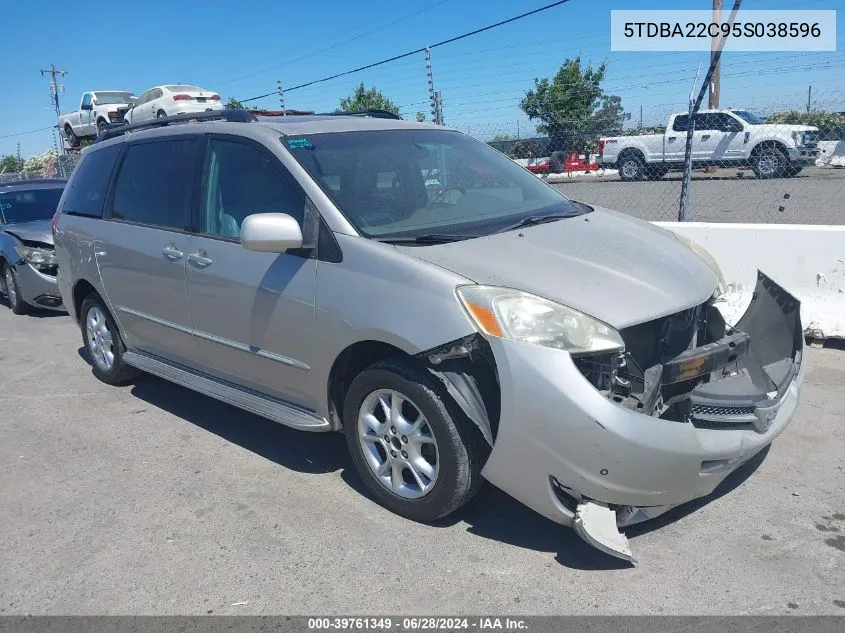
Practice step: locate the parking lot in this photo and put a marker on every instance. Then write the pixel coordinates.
(813, 197)
(150, 499)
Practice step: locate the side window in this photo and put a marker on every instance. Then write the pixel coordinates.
(86, 191)
(86, 98)
(153, 185)
(142, 99)
(708, 121)
(155, 94)
(240, 180)
(681, 123)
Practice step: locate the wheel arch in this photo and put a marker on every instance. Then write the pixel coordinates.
(81, 289)
(769, 143)
(466, 369)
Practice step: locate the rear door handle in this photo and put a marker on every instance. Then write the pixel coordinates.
(199, 260)
(673, 138)
(705, 137)
(171, 253)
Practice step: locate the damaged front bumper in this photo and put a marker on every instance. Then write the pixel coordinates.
(584, 459)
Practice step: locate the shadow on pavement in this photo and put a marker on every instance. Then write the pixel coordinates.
(33, 312)
(492, 514)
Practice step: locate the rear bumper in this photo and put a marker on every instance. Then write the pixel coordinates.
(556, 431)
(38, 289)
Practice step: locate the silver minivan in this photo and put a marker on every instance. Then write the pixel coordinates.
(454, 316)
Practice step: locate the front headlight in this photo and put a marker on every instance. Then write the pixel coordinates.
(38, 257)
(518, 315)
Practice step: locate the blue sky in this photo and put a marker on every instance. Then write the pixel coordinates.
(241, 48)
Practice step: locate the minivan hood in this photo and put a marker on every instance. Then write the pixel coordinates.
(611, 266)
(37, 231)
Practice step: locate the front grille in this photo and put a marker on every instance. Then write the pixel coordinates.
(718, 417)
(723, 412)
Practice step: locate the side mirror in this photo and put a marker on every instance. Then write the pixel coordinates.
(86, 106)
(270, 233)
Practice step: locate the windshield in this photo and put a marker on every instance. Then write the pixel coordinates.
(112, 98)
(412, 182)
(28, 206)
(746, 116)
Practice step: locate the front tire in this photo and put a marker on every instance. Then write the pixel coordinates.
(631, 167)
(416, 452)
(102, 126)
(13, 291)
(769, 163)
(102, 341)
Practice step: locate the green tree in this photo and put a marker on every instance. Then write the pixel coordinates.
(10, 164)
(817, 118)
(367, 99)
(502, 137)
(234, 104)
(572, 109)
(420, 117)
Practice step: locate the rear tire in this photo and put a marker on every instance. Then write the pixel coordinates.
(13, 291)
(631, 167)
(103, 344)
(416, 452)
(72, 138)
(102, 126)
(161, 114)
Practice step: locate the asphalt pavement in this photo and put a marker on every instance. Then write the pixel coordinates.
(815, 196)
(151, 499)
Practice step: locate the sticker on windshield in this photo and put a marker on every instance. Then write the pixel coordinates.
(300, 143)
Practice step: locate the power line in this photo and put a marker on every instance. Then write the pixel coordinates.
(419, 50)
(333, 46)
(41, 129)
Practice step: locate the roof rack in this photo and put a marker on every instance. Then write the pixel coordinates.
(269, 113)
(231, 115)
(374, 113)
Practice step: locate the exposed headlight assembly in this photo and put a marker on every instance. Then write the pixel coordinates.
(518, 315)
(38, 257)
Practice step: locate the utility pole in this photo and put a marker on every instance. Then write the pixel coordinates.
(641, 118)
(439, 96)
(19, 153)
(713, 100)
(281, 96)
(55, 90)
(433, 96)
(809, 98)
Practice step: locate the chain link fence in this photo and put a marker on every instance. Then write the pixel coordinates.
(46, 165)
(774, 163)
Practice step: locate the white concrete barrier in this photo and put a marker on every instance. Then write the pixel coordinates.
(807, 260)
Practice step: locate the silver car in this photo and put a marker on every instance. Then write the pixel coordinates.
(28, 264)
(454, 316)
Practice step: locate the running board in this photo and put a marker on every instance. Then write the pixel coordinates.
(230, 394)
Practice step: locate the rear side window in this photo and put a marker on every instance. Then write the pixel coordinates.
(86, 191)
(681, 123)
(154, 183)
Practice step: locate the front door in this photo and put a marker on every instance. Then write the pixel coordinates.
(142, 247)
(86, 115)
(253, 313)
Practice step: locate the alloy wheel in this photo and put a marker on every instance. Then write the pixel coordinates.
(398, 444)
(11, 290)
(630, 168)
(100, 340)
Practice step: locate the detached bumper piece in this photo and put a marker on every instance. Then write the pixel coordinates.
(596, 524)
(745, 392)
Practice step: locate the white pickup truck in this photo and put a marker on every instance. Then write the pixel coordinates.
(97, 109)
(721, 138)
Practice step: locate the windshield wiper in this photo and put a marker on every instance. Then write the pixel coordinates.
(533, 220)
(428, 238)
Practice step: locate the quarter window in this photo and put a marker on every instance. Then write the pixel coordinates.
(240, 180)
(154, 184)
(86, 191)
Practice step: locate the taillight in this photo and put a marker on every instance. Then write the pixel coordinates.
(601, 147)
(54, 225)
(181, 97)
(215, 97)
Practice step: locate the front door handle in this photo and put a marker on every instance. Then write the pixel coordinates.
(705, 137)
(199, 259)
(171, 253)
(673, 138)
